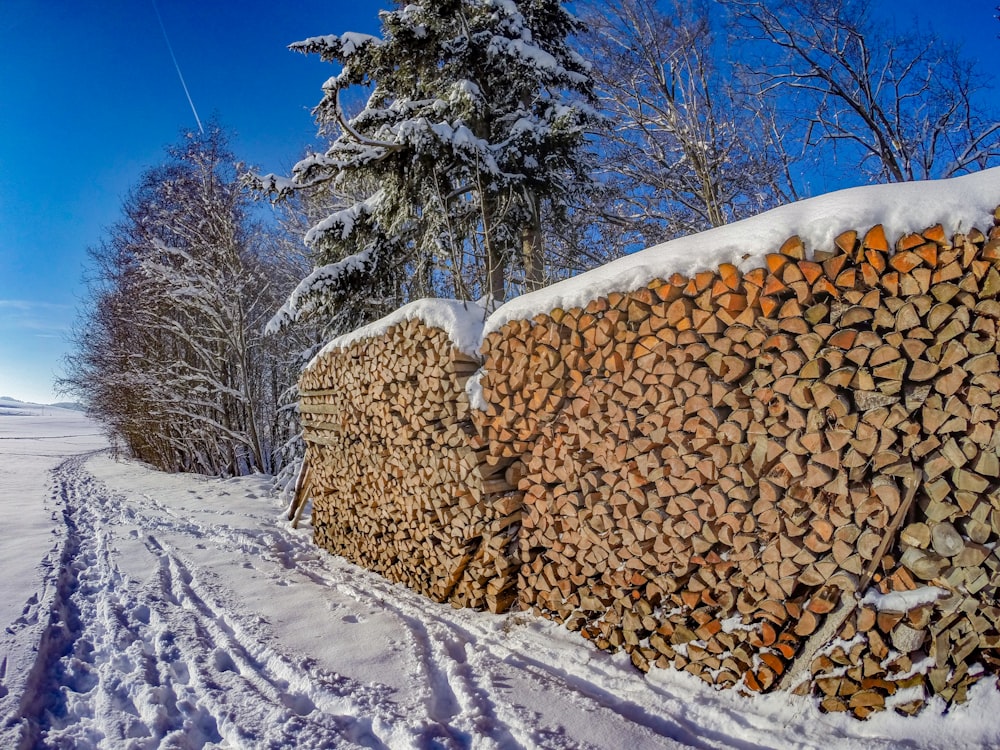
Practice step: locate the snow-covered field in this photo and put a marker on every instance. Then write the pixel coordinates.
(143, 610)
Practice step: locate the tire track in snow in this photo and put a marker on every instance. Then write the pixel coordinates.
(283, 552)
(151, 665)
(454, 662)
(239, 661)
(459, 713)
(459, 666)
(456, 655)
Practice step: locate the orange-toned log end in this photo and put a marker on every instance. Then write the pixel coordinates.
(764, 637)
(768, 306)
(928, 252)
(730, 276)
(774, 663)
(703, 280)
(847, 241)
(936, 234)
(793, 248)
(775, 262)
(755, 277)
(875, 239)
(766, 678)
(909, 241)
(905, 262)
(810, 271)
(823, 285)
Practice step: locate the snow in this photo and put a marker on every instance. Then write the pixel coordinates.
(343, 220)
(321, 277)
(462, 321)
(145, 610)
(346, 44)
(474, 390)
(519, 49)
(150, 610)
(903, 601)
(958, 204)
(352, 40)
(34, 440)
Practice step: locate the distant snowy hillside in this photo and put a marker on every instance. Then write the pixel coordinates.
(13, 407)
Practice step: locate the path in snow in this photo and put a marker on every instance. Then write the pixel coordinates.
(179, 612)
(158, 662)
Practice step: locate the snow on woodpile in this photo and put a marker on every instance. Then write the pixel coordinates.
(957, 204)
(764, 455)
(461, 321)
(719, 459)
(393, 468)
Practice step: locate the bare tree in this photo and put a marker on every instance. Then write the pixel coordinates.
(899, 106)
(169, 354)
(683, 149)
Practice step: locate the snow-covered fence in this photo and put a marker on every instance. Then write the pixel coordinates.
(773, 462)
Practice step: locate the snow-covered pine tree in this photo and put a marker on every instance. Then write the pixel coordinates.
(473, 130)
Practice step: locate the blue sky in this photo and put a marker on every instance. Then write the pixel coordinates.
(89, 97)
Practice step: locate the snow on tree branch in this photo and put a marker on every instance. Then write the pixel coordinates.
(472, 131)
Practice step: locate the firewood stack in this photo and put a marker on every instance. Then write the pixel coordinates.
(714, 467)
(397, 485)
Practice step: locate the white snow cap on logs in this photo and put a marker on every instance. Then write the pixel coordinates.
(462, 321)
(958, 204)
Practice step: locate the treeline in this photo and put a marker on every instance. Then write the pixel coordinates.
(500, 146)
(170, 353)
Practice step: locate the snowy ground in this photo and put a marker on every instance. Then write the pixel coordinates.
(144, 610)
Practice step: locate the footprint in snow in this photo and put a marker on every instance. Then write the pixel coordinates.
(223, 661)
(180, 672)
(300, 704)
(141, 613)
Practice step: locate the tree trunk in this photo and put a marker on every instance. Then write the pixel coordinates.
(495, 265)
(532, 248)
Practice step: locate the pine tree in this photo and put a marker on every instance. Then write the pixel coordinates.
(472, 132)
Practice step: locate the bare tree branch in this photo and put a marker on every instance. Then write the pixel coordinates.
(907, 104)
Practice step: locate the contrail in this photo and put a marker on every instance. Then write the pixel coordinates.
(177, 67)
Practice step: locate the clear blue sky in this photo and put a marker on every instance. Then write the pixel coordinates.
(89, 97)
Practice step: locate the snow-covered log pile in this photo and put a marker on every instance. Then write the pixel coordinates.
(717, 465)
(773, 463)
(397, 485)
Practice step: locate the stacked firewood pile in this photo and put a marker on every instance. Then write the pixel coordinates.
(715, 468)
(396, 483)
